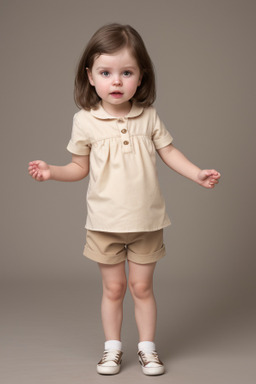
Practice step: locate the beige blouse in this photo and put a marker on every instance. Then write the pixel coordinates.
(123, 193)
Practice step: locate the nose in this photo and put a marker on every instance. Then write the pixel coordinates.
(117, 80)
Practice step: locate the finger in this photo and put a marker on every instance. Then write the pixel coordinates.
(216, 174)
(36, 173)
(208, 172)
(213, 173)
(34, 162)
(31, 168)
(39, 177)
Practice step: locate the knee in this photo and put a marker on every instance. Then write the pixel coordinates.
(115, 291)
(140, 290)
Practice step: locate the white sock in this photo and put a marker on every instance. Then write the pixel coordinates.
(113, 344)
(147, 346)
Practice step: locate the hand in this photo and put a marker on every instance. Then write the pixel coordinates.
(39, 170)
(208, 178)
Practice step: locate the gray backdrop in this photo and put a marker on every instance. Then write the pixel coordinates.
(204, 55)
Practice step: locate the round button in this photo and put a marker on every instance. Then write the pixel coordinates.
(126, 142)
(124, 131)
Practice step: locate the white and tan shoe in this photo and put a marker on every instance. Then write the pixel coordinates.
(150, 363)
(110, 363)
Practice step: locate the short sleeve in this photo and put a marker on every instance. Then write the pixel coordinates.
(161, 137)
(79, 143)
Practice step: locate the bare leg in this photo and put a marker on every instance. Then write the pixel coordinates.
(114, 287)
(141, 287)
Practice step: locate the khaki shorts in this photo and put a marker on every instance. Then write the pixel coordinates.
(113, 248)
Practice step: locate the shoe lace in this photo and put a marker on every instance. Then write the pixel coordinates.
(150, 357)
(111, 355)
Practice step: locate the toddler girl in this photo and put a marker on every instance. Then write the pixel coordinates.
(116, 135)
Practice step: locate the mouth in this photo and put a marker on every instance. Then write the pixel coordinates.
(116, 94)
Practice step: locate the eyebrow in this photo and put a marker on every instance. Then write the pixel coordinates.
(107, 68)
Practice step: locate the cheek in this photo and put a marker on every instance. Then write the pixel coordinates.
(133, 85)
(101, 88)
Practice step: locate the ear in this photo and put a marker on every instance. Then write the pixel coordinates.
(140, 78)
(89, 74)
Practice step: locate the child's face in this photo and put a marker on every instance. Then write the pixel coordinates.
(115, 78)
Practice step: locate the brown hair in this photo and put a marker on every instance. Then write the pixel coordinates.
(107, 40)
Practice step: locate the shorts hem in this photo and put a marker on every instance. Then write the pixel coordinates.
(146, 258)
(104, 259)
(131, 256)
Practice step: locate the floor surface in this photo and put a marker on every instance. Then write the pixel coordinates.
(51, 333)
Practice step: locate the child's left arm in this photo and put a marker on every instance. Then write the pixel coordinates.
(172, 157)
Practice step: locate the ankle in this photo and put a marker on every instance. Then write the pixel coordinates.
(113, 344)
(147, 346)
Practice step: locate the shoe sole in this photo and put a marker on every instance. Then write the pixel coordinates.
(108, 370)
(153, 371)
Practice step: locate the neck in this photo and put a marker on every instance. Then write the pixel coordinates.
(117, 110)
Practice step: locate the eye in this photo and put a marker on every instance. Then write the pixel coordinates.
(127, 73)
(105, 73)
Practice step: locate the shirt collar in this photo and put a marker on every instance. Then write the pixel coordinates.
(100, 112)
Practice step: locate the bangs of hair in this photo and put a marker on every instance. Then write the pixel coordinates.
(108, 40)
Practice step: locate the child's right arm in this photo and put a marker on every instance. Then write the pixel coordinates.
(74, 171)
